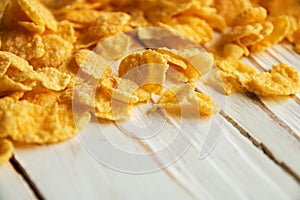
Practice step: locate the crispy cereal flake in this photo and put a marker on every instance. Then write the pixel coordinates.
(6, 150)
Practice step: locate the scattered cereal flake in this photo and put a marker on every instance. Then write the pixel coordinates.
(102, 105)
(32, 27)
(229, 82)
(250, 16)
(282, 7)
(281, 29)
(232, 51)
(110, 23)
(161, 37)
(115, 47)
(41, 97)
(7, 85)
(53, 79)
(177, 94)
(147, 69)
(255, 38)
(208, 14)
(53, 124)
(85, 16)
(205, 103)
(282, 80)
(242, 72)
(27, 46)
(15, 61)
(124, 90)
(138, 19)
(174, 99)
(91, 63)
(239, 32)
(6, 151)
(66, 31)
(12, 14)
(194, 27)
(161, 10)
(229, 9)
(82, 93)
(173, 58)
(4, 64)
(50, 78)
(224, 82)
(57, 50)
(38, 13)
(196, 61)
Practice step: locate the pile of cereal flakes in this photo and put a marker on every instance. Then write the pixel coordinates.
(44, 44)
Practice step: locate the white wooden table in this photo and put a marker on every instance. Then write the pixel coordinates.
(257, 156)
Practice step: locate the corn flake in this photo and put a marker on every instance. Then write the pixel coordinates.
(110, 23)
(192, 63)
(57, 51)
(7, 85)
(282, 80)
(250, 16)
(147, 69)
(6, 150)
(124, 90)
(38, 13)
(230, 9)
(53, 124)
(174, 98)
(281, 29)
(27, 46)
(91, 63)
(194, 27)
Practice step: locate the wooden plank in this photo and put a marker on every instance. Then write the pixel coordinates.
(228, 169)
(248, 113)
(67, 170)
(12, 186)
(234, 169)
(286, 109)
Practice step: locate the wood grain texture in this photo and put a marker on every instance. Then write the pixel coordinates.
(12, 186)
(231, 171)
(220, 163)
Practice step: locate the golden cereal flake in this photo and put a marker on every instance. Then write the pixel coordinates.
(250, 16)
(84, 16)
(229, 9)
(23, 121)
(191, 62)
(7, 85)
(194, 27)
(15, 61)
(174, 99)
(110, 23)
(38, 13)
(124, 90)
(57, 50)
(32, 27)
(282, 80)
(6, 151)
(281, 30)
(27, 46)
(147, 69)
(91, 63)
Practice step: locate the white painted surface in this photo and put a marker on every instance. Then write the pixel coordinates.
(12, 186)
(235, 168)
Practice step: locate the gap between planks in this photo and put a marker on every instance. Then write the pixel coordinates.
(261, 147)
(22, 172)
